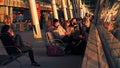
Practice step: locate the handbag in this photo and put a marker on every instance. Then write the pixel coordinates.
(55, 50)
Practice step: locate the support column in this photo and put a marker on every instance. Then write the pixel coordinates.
(55, 13)
(11, 14)
(64, 10)
(81, 9)
(118, 16)
(74, 8)
(36, 26)
(6, 10)
(77, 3)
(82, 12)
(18, 3)
(70, 9)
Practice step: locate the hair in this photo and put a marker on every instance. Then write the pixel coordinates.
(55, 20)
(6, 16)
(72, 19)
(5, 28)
(6, 20)
(67, 21)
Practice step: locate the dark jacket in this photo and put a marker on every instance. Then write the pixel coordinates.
(9, 43)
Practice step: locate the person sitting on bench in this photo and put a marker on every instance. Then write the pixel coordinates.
(12, 42)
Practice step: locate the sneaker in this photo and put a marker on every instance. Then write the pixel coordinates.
(35, 64)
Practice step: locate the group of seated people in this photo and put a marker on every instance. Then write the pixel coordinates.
(69, 31)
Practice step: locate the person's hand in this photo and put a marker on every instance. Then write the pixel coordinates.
(66, 33)
(80, 36)
(11, 32)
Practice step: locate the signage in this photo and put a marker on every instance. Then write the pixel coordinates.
(38, 10)
(1, 2)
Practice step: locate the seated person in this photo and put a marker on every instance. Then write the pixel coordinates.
(68, 28)
(48, 25)
(60, 32)
(74, 24)
(12, 42)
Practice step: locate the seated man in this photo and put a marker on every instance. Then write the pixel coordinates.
(60, 32)
(12, 42)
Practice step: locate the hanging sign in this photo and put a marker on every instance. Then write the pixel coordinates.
(38, 10)
(1, 2)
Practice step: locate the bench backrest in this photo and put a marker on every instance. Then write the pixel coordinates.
(49, 37)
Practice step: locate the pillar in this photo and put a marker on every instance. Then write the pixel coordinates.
(74, 8)
(70, 9)
(6, 10)
(64, 10)
(81, 9)
(55, 13)
(11, 14)
(82, 14)
(36, 26)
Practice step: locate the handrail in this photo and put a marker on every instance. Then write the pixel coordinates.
(94, 54)
(106, 50)
(111, 47)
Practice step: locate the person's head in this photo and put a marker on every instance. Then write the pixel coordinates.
(56, 22)
(7, 20)
(67, 23)
(49, 23)
(73, 20)
(87, 14)
(5, 28)
(81, 20)
(113, 19)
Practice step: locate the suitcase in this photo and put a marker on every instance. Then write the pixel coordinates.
(54, 50)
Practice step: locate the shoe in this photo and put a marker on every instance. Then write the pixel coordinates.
(35, 64)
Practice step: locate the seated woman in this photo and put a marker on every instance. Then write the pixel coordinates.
(12, 42)
(74, 24)
(68, 28)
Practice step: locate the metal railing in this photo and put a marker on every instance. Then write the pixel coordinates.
(21, 26)
(111, 47)
(94, 54)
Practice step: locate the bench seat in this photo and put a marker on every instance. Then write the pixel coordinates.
(6, 59)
